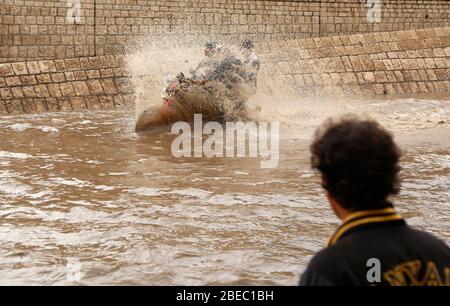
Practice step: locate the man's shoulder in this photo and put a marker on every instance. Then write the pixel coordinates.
(428, 241)
(346, 261)
(323, 267)
(388, 241)
(423, 235)
(327, 258)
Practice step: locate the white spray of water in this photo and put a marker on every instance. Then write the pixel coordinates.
(150, 62)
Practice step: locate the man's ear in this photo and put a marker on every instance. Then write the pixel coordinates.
(331, 199)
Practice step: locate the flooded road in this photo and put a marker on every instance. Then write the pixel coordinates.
(84, 194)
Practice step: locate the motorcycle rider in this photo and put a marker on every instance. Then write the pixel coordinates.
(219, 65)
(228, 70)
(233, 72)
(251, 62)
(200, 75)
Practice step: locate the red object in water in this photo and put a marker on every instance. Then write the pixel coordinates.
(168, 102)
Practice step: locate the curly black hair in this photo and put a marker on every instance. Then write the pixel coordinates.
(359, 162)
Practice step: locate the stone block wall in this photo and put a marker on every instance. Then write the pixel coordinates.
(64, 85)
(40, 29)
(350, 16)
(402, 62)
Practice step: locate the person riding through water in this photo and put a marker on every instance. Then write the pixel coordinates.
(251, 63)
(222, 67)
(219, 65)
(210, 62)
(235, 70)
(216, 88)
(241, 71)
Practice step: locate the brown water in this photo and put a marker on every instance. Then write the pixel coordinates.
(85, 188)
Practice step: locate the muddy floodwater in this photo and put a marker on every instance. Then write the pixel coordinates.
(83, 191)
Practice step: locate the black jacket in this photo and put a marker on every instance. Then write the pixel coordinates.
(378, 248)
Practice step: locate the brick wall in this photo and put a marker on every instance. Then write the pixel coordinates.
(350, 16)
(39, 29)
(64, 85)
(403, 62)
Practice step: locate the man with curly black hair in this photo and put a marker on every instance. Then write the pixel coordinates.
(359, 165)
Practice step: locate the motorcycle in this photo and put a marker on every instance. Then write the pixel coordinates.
(183, 97)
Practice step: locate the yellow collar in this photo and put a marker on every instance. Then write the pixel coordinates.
(364, 217)
(365, 213)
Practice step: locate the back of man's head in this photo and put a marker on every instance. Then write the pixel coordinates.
(358, 160)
